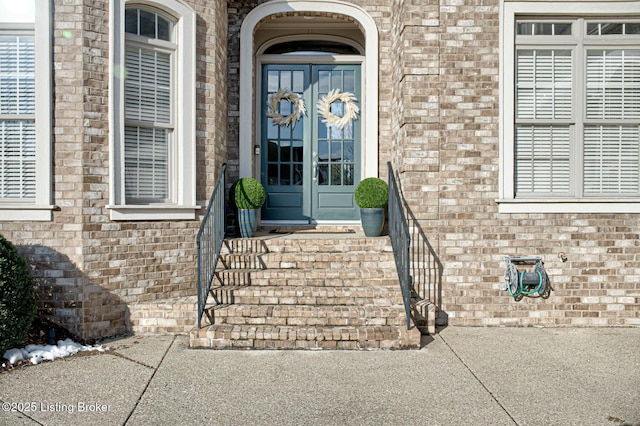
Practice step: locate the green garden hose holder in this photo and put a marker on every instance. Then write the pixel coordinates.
(522, 283)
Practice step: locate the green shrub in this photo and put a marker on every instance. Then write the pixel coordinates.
(372, 193)
(17, 297)
(249, 194)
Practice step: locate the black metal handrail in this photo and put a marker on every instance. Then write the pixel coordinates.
(209, 241)
(400, 241)
(426, 272)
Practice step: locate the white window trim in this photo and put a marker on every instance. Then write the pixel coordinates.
(40, 208)
(185, 206)
(506, 202)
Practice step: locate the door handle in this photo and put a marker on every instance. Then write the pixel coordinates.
(315, 171)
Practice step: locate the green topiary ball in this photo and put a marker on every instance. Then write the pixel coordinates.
(249, 194)
(17, 297)
(372, 193)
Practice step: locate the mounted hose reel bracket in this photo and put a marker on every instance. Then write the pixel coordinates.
(521, 282)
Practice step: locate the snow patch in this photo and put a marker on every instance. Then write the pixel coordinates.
(35, 354)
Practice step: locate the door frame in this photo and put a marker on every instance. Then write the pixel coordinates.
(309, 194)
(248, 67)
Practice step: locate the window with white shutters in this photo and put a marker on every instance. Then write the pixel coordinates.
(153, 111)
(147, 108)
(543, 119)
(25, 111)
(611, 136)
(571, 122)
(17, 117)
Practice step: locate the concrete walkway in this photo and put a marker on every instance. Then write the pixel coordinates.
(463, 376)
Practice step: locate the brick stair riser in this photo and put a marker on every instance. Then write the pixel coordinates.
(323, 282)
(309, 278)
(304, 295)
(270, 337)
(308, 245)
(309, 316)
(304, 261)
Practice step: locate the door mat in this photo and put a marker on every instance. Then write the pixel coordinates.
(312, 231)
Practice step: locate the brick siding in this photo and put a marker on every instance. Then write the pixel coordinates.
(438, 118)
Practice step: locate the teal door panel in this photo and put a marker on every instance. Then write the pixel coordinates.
(310, 167)
(283, 165)
(336, 149)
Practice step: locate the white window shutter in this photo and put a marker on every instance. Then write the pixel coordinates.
(611, 152)
(542, 159)
(17, 135)
(543, 84)
(148, 104)
(543, 92)
(613, 84)
(148, 85)
(611, 159)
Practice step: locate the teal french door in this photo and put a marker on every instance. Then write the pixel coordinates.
(310, 167)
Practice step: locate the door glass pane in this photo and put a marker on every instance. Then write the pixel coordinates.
(285, 79)
(273, 81)
(349, 82)
(336, 145)
(323, 172)
(272, 130)
(297, 151)
(323, 151)
(298, 174)
(285, 132)
(336, 108)
(348, 174)
(285, 151)
(336, 133)
(348, 151)
(336, 174)
(285, 174)
(272, 154)
(285, 107)
(336, 80)
(298, 81)
(297, 131)
(323, 81)
(272, 174)
(284, 159)
(336, 151)
(322, 129)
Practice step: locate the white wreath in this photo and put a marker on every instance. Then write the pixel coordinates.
(274, 102)
(350, 113)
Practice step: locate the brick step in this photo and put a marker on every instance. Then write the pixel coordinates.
(309, 277)
(308, 315)
(289, 337)
(308, 244)
(306, 295)
(308, 260)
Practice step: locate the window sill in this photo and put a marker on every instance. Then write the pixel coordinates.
(567, 206)
(23, 212)
(154, 212)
